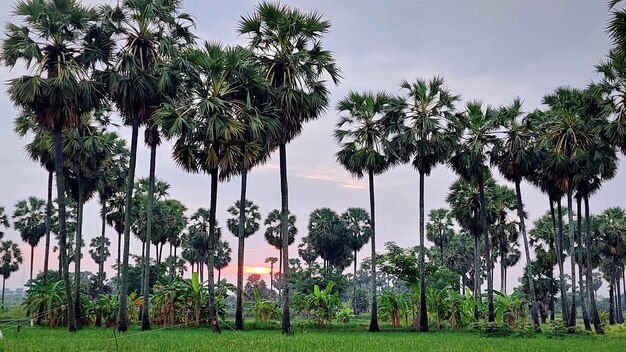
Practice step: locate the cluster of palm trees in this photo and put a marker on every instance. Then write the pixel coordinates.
(225, 108)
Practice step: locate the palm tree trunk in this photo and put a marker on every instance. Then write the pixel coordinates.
(374, 319)
(271, 276)
(611, 301)
(354, 306)
(618, 301)
(284, 227)
(572, 246)
(423, 319)
(42, 309)
(483, 221)
(4, 279)
(102, 239)
(559, 254)
(60, 175)
(502, 269)
(583, 303)
(78, 249)
(477, 283)
(552, 249)
(122, 323)
(119, 257)
(593, 309)
(211, 250)
(145, 317)
(240, 251)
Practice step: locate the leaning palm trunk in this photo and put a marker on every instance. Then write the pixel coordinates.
(483, 221)
(240, 251)
(374, 320)
(122, 322)
(559, 254)
(58, 165)
(211, 251)
(572, 246)
(145, 316)
(593, 310)
(583, 303)
(529, 268)
(284, 228)
(423, 319)
(552, 249)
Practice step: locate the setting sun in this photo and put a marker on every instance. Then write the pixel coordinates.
(261, 270)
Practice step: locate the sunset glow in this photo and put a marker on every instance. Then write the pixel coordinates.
(261, 270)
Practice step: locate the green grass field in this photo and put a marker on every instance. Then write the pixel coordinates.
(178, 339)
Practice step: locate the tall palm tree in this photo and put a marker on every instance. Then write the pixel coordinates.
(288, 44)
(566, 137)
(250, 224)
(206, 121)
(10, 260)
(40, 149)
(364, 133)
(439, 229)
(470, 159)
(504, 230)
(138, 83)
(53, 37)
(516, 159)
(29, 219)
(425, 140)
(612, 231)
(359, 232)
(222, 257)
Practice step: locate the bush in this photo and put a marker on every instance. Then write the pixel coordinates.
(557, 329)
(492, 329)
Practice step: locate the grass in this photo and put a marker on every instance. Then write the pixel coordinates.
(199, 339)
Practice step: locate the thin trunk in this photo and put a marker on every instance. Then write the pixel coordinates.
(583, 303)
(477, 284)
(593, 309)
(32, 260)
(502, 270)
(483, 221)
(122, 321)
(119, 256)
(271, 276)
(618, 299)
(211, 250)
(423, 318)
(98, 322)
(4, 279)
(611, 302)
(60, 175)
(374, 320)
(354, 288)
(551, 248)
(219, 277)
(559, 254)
(284, 226)
(572, 246)
(145, 317)
(42, 309)
(241, 251)
(78, 250)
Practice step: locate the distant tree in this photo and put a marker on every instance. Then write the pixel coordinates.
(10, 260)
(29, 219)
(222, 257)
(439, 229)
(273, 233)
(271, 261)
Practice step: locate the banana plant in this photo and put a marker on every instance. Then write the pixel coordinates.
(324, 303)
(264, 310)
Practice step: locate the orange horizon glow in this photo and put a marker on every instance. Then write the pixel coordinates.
(261, 270)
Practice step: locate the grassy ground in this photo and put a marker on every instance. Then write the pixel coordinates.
(178, 339)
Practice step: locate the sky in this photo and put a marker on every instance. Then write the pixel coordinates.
(492, 51)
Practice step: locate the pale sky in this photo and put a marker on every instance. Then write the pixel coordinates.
(492, 51)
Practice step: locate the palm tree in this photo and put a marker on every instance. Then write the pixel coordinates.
(504, 230)
(359, 232)
(138, 83)
(272, 261)
(567, 135)
(612, 229)
(542, 236)
(60, 92)
(288, 44)
(273, 233)
(306, 251)
(30, 221)
(222, 257)
(249, 223)
(39, 149)
(424, 139)
(115, 218)
(439, 229)
(469, 159)
(10, 260)
(516, 159)
(364, 136)
(327, 234)
(99, 252)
